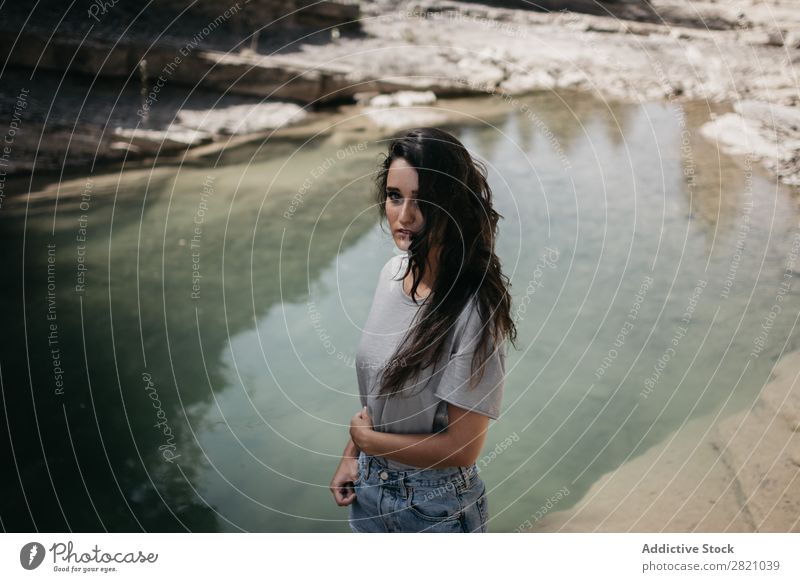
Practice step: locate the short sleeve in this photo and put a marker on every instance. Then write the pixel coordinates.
(455, 387)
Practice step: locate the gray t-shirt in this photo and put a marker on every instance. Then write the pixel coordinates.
(421, 406)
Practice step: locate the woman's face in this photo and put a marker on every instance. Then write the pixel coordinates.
(402, 210)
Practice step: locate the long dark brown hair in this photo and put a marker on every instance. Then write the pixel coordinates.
(456, 202)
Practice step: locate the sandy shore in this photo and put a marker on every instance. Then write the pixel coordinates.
(741, 474)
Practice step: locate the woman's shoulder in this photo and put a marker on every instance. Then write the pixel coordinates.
(394, 267)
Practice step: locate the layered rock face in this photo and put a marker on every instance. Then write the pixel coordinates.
(107, 80)
(152, 70)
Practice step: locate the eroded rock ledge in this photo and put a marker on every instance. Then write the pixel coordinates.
(741, 52)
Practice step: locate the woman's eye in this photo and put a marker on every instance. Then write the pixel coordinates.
(393, 196)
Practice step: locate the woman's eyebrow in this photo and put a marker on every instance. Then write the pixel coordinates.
(398, 189)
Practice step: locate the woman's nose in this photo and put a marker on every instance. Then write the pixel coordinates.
(408, 211)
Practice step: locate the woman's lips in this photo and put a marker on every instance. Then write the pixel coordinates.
(404, 232)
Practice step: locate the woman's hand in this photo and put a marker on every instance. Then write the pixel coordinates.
(342, 484)
(361, 430)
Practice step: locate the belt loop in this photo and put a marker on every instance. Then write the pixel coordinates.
(464, 478)
(407, 489)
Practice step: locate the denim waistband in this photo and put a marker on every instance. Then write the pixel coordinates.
(462, 477)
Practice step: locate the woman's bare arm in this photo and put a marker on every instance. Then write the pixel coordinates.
(351, 449)
(458, 446)
(346, 473)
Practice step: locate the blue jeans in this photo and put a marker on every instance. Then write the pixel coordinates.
(451, 500)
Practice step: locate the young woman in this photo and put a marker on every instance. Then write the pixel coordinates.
(431, 360)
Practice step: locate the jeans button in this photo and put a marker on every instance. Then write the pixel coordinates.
(384, 475)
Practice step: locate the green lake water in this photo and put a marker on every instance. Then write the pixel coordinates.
(202, 378)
